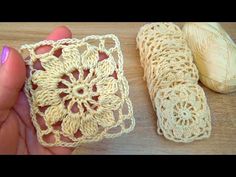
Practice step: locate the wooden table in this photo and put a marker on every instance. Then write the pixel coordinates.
(144, 139)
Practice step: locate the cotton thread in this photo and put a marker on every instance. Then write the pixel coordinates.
(214, 54)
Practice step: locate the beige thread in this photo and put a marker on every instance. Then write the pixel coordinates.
(81, 93)
(214, 54)
(172, 77)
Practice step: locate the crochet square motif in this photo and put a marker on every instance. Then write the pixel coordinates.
(80, 96)
(183, 114)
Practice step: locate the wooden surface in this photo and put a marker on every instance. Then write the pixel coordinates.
(144, 139)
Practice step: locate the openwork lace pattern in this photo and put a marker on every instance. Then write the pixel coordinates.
(81, 95)
(172, 78)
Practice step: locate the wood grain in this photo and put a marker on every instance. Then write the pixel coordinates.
(144, 139)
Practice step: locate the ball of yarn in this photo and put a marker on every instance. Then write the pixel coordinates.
(214, 55)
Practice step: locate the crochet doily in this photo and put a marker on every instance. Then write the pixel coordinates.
(172, 78)
(183, 114)
(80, 96)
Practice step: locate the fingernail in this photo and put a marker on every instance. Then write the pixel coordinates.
(4, 55)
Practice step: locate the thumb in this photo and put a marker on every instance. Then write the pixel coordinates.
(12, 76)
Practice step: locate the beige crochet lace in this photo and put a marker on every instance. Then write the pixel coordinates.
(172, 77)
(80, 96)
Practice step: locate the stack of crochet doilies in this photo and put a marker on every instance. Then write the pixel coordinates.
(172, 80)
(80, 96)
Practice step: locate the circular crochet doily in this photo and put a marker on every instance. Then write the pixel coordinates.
(183, 113)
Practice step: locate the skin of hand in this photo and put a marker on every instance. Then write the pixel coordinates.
(17, 133)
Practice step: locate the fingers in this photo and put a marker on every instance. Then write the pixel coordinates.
(9, 134)
(58, 33)
(22, 104)
(35, 148)
(12, 69)
(12, 77)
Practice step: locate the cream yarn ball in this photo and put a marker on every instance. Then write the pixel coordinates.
(214, 55)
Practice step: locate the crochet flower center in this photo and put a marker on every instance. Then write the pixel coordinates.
(183, 113)
(81, 94)
(79, 91)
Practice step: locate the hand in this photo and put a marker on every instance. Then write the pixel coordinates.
(17, 133)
